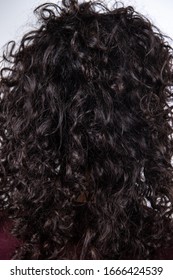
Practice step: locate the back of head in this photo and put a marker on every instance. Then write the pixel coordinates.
(86, 135)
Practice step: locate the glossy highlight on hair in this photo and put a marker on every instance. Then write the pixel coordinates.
(86, 135)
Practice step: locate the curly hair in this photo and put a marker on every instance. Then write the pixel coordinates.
(86, 135)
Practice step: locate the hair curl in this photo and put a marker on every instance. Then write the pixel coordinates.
(86, 135)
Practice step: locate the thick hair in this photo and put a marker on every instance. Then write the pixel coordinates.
(86, 135)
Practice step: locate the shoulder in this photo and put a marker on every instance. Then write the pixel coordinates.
(8, 243)
(164, 254)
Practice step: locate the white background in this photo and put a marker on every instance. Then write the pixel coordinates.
(114, 269)
(16, 16)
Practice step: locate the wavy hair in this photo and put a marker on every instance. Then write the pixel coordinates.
(86, 135)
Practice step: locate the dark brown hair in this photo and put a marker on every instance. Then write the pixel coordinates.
(86, 135)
